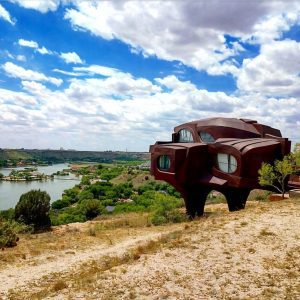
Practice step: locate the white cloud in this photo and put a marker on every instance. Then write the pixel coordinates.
(108, 109)
(26, 43)
(8, 54)
(43, 50)
(275, 71)
(16, 98)
(21, 58)
(271, 28)
(4, 14)
(35, 45)
(121, 111)
(92, 71)
(15, 71)
(99, 70)
(119, 87)
(41, 5)
(192, 32)
(74, 74)
(189, 31)
(34, 88)
(71, 57)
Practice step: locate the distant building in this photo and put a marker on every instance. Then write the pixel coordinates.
(110, 208)
(97, 180)
(144, 166)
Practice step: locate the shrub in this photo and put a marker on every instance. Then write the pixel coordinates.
(110, 173)
(85, 180)
(90, 208)
(158, 219)
(123, 190)
(8, 235)
(8, 214)
(21, 227)
(100, 189)
(165, 209)
(85, 210)
(66, 216)
(33, 208)
(128, 207)
(62, 203)
(175, 216)
(84, 195)
(158, 186)
(72, 194)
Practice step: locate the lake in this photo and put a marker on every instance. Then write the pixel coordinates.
(10, 191)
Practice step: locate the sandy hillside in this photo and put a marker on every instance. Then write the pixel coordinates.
(252, 254)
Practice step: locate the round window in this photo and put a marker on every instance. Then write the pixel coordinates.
(226, 163)
(164, 163)
(206, 137)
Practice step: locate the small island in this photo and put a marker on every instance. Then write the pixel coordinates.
(28, 174)
(65, 172)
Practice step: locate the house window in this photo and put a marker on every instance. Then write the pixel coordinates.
(226, 163)
(185, 136)
(164, 163)
(206, 137)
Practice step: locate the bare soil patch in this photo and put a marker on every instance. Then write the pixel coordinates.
(250, 254)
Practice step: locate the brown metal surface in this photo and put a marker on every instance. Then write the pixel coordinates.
(294, 181)
(193, 166)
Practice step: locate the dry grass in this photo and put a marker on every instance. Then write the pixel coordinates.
(250, 254)
(76, 236)
(59, 285)
(265, 232)
(84, 277)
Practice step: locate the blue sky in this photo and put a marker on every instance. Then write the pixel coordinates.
(96, 75)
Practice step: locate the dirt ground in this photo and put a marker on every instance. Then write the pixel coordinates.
(250, 254)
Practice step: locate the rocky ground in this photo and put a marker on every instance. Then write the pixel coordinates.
(251, 254)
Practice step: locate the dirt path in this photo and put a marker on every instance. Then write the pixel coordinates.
(250, 254)
(18, 277)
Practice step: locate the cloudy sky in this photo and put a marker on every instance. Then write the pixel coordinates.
(97, 75)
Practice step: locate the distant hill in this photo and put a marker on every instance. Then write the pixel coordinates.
(70, 155)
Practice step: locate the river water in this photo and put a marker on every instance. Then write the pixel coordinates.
(10, 191)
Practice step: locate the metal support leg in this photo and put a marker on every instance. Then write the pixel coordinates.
(195, 201)
(236, 198)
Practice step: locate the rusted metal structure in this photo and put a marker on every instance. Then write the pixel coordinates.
(294, 181)
(222, 154)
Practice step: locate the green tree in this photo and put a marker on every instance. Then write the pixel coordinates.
(61, 203)
(71, 194)
(85, 180)
(91, 208)
(1, 175)
(33, 208)
(84, 195)
(276, 175)
(3, 163)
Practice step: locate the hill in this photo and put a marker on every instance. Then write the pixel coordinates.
(250, 254)
(56, 156)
